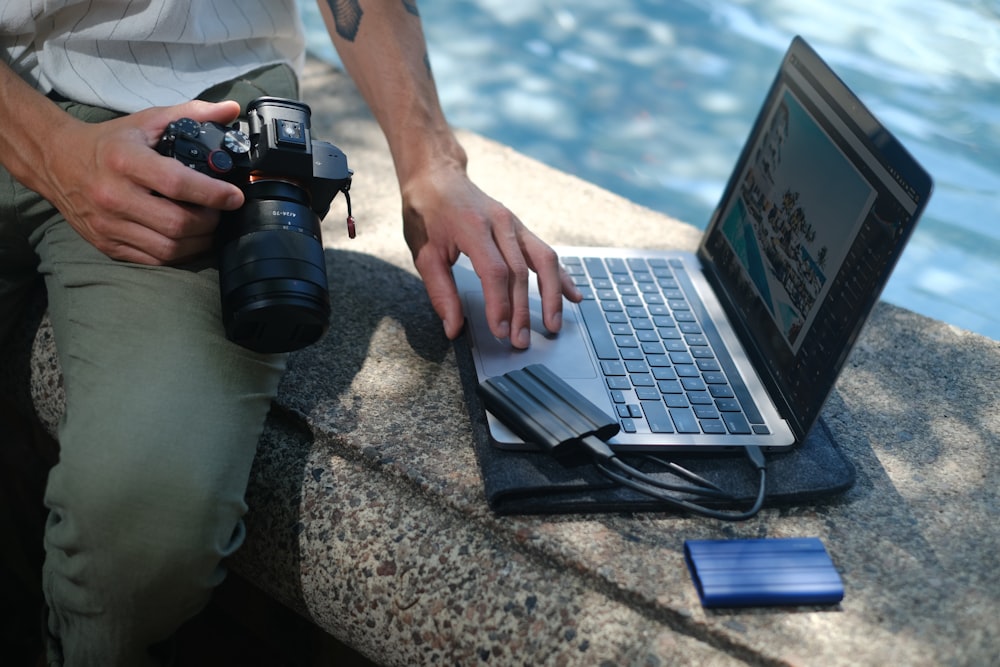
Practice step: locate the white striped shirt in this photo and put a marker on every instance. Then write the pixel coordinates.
(133, 54)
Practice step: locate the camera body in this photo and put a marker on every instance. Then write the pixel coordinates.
(272, 270)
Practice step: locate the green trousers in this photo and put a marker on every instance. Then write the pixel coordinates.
(162, 420)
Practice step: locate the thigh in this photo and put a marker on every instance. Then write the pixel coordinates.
(154, 390)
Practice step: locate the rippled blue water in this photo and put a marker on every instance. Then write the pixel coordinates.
(653, 100)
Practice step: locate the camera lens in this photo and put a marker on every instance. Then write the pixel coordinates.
(272, 271)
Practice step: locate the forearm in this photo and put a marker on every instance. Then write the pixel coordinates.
(29, 121)
(381, 43)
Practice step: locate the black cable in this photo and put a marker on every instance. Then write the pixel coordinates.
(617, 470)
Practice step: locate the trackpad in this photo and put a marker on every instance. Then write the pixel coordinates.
(567, 353)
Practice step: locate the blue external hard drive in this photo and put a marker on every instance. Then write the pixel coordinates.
(765, 572)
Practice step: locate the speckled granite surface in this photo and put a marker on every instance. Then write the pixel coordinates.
(368, 516)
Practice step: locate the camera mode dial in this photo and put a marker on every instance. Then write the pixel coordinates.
(237, 142)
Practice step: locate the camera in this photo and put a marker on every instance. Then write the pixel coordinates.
(272, 271)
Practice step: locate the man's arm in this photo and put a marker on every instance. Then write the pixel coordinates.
(381, 43)
(101, 175)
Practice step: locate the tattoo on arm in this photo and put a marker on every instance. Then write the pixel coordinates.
(346, 17)
(347, 20)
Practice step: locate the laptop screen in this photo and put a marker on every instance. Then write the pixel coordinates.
(808, 230)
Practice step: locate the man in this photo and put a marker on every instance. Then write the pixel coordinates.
(163, 413)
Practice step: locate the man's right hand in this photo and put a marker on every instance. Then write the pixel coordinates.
(102, 177)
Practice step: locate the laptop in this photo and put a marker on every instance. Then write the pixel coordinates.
(741, 342)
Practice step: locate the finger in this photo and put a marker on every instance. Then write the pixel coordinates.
(162, 230)
(554, 282)
(154, 246)
(157, 118)
(506, 235)
(168, 218)
(139, 244)
(545, 262)
(494, 276)
(440, 286)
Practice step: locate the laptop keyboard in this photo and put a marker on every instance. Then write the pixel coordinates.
(663, 361)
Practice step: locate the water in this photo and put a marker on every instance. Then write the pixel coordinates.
(653, 100)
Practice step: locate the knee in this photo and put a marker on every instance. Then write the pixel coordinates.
(146, 521)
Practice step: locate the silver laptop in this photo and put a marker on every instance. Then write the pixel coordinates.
(741, 342)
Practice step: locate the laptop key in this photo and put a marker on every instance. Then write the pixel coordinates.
(652, 348)
(693, 383)
(661, 373)
(676, 401)
(728, 405)
(637, 366)
(646, 335)
(593, 317)
(657, 418)
(595, 267)
(642, 380)
(620, 328)
(613, 367)
(616, 265)
(670, 387)
(681, 358)
(713, 426)
(706, 412)
(721, 390)
(618, 383)
(685, 420)
(626, 341)
(647, 393)
(686, 370)
(736, 423)
(708, 364)
(669, 333)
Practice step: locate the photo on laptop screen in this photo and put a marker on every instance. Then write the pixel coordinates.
(740, 343)
(783, 225)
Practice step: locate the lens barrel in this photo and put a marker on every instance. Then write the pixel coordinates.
(272, 270)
